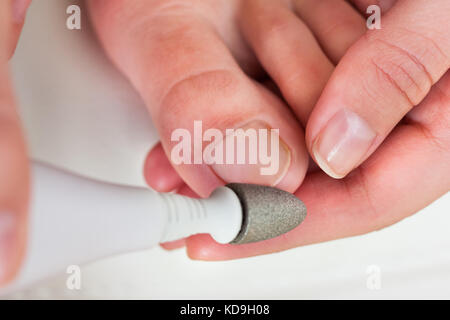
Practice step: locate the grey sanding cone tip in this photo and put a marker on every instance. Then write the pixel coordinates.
(267, 212)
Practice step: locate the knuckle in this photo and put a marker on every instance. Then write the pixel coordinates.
(403, 72)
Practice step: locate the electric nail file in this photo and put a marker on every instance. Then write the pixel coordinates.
(68, 225)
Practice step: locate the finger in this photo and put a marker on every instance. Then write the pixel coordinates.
(384, 5)
(18, 11)
(394, 183)
(173, 245)
(381, 78)
(288, 51)
(13, 168)
(184, 72)
(159, 172)
(334, 22)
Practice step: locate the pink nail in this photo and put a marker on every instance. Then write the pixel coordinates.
(342, 143)
(266, 160)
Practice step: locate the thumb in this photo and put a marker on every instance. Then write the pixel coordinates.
(381, 78)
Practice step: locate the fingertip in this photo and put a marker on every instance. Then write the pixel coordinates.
(202, 247)
(159, 173)
(296, 173)
(173, 245)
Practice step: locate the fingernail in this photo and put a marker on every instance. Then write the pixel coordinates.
(342, 143)
(19, 9)
(267, 157)
(7, 238)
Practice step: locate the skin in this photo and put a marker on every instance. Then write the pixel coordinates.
(14, 175)
(414, 133)
(225, 53)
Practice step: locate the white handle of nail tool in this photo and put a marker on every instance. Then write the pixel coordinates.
(74, 220)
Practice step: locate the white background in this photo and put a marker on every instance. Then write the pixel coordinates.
(79, 113)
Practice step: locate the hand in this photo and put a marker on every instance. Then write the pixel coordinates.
(388, 138)
(189, 62)
(14, 173)
(331, 213)
(199, 60)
